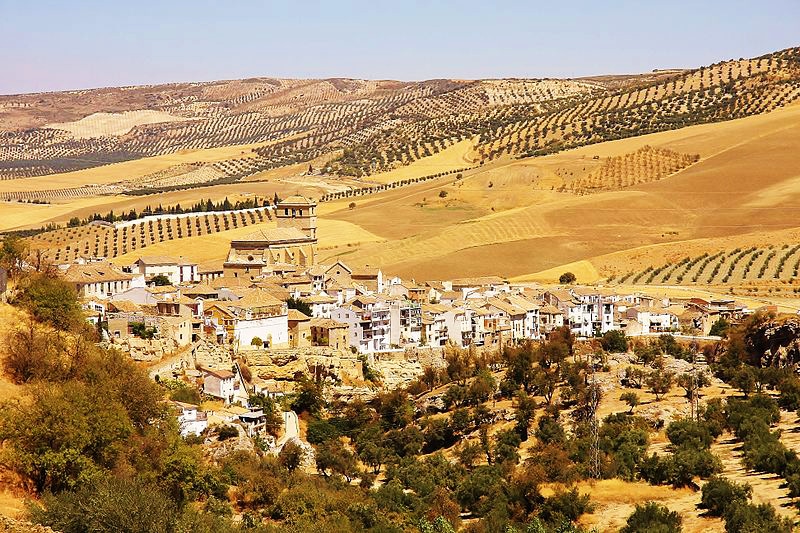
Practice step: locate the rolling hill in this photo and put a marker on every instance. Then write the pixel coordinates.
(641, 178)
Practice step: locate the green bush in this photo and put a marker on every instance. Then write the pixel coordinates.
(719, 493)
(652, 518)
(750, 518)
(52, 300)
(614, 341)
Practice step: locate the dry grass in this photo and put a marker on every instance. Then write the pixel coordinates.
(215, 247)
(507, 208)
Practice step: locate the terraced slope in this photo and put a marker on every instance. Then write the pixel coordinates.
(722, 91)
(109, 241)
(59, 132)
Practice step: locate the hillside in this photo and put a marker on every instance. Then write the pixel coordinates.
(516, 177)
(744, 183)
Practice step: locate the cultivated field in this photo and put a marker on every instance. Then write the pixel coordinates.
(687, 170)
(508, 217)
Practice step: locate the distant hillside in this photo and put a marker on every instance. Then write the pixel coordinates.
(374, 126)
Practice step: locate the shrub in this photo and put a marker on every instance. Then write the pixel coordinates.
(652, 518)
(614, 341)
(226, 432)
(565, 506)
(52, 300)
(107, 505)
(719, 493)
(567, 278)
(747, 518)
(689, 433)
(160, 280)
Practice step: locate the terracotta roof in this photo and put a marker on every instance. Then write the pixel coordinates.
(365, 272)
(229, 283)
(296, 199)
(200, 289)
(327, 323)
(298, 316)
(478, 281)
(274, 235)
(506, 307)
(257, 298)
(211, 266)
(221, 374)
(317, 270)
(319, 299)
(549, 310)
(95, 273)
(157, 260)
(124, 306)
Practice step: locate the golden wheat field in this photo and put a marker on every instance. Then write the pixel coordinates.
(508, 218)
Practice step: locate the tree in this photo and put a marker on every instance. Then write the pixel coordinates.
(652, 518)
(12, 254)
(745, 380)
(660, 382)
(614, 341)
(291, 456)
(720, 328)
(524, 414)
(442, 194)
(300, 305)
(161, 280)
(52, 300)
(33, 354)
(630, 398)
(351, 205)
(692, 382)
(309, 397)
(334, 458)
(720, 493)
(257, 342)
(396, 409)
(567, 278)
(507, 446)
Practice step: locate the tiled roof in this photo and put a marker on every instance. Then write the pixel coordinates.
(95, 273)
(157, 260)
(298, 316)
(296, 199)
(274, 235)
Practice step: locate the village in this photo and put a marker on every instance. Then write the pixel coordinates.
(271, 314)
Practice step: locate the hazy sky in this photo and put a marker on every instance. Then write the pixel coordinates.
(79, 44)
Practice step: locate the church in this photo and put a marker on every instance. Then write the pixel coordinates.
(292, 245)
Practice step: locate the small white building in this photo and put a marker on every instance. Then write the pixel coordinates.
(177, 271)
(257, 314)
(100, 280)
(220, 384)
(191, 420)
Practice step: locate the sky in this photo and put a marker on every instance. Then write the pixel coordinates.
(60, 45)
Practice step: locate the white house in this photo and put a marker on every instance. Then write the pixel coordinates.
(191, 420)
(100, 280)
(178, 271)
(369, 323)
(220, 384)
(405, 322)
(256, 314)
